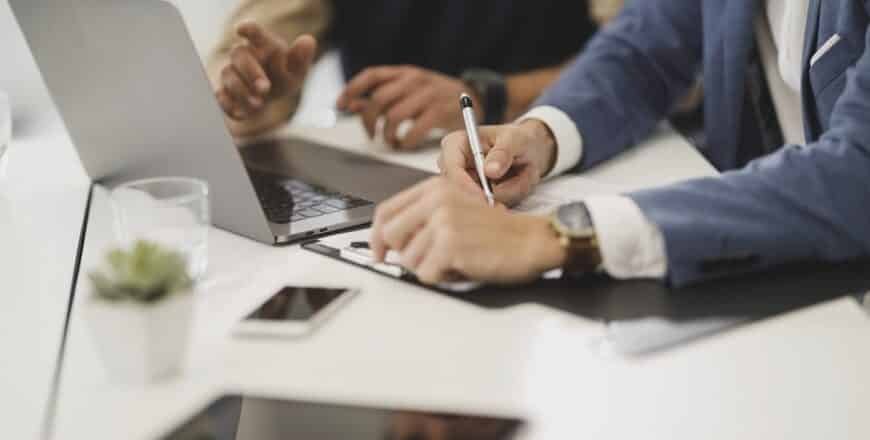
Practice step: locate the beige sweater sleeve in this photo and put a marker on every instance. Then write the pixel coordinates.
(603, 11)
(286, 18)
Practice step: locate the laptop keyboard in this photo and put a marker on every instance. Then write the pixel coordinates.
(287, 201)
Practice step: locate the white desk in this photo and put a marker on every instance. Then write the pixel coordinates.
(43, 194)
(395, 344)
(799, 376)
(399, 345)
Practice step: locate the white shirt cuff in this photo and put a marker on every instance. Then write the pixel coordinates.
(631, 246)
(569, 143)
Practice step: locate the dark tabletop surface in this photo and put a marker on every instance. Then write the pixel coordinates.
(668, 316)
(646, 316)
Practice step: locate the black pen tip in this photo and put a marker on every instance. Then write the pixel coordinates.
(465, 101)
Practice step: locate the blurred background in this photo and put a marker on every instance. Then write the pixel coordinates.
(204, 19)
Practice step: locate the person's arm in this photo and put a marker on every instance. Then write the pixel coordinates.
(801, 203)
(629, 77)
(525, 87)
(611, 97)
(286, 19)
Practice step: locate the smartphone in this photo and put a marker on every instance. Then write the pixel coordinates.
(293, 311)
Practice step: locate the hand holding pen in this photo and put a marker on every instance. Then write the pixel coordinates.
(515, 157)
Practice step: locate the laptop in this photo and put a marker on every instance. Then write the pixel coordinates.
(137, 103)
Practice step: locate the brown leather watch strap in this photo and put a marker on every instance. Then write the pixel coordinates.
(583, 255)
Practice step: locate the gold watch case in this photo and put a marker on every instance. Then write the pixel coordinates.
(573, 224)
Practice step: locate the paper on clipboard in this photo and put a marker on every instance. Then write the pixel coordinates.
(545, 199)
(391, 266)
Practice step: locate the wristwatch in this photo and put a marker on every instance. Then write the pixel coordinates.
(576, 231)
(491, 89)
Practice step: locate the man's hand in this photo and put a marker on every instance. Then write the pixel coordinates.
(262, 69)
(443, 232)
(399, 93)
(517, 157)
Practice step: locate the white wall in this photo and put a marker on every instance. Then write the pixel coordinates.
(204, 19)
(20, 78)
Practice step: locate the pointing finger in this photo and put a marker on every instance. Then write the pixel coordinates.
(263, 43)
(301, 53)
(250, 69)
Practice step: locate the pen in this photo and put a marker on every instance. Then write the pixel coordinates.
(474, 140)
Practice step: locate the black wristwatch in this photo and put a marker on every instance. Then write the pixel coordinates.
(491, 89)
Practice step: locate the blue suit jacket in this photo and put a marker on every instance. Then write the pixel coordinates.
(801, 203)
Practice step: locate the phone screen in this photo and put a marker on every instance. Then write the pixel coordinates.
(295, 304)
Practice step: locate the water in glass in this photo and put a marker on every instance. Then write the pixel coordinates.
(170, 211)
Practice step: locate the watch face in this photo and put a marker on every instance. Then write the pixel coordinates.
(575, 218)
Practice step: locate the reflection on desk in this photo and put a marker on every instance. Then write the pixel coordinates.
(253, 418)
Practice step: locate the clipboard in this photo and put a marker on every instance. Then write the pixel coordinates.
(393, 271)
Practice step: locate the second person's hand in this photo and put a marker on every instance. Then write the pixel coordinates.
(399, 93)
(261, 70)
(517, 157)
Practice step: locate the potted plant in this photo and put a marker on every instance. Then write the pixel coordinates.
(140, 312)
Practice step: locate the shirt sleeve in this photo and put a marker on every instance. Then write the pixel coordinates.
(569, 142)
(631, 246)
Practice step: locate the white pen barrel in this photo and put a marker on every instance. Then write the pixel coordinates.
(473, 137)
(476, 149)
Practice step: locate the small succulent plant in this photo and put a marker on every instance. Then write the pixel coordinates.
(146, 273)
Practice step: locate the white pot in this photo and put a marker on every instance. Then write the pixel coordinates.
(141, 343)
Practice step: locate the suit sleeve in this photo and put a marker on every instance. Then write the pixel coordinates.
(802, 203)
(630, 76)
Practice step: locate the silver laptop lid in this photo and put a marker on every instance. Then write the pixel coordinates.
(136, 101)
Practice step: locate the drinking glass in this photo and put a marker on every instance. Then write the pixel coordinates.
(5, 125)
(170, 211)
